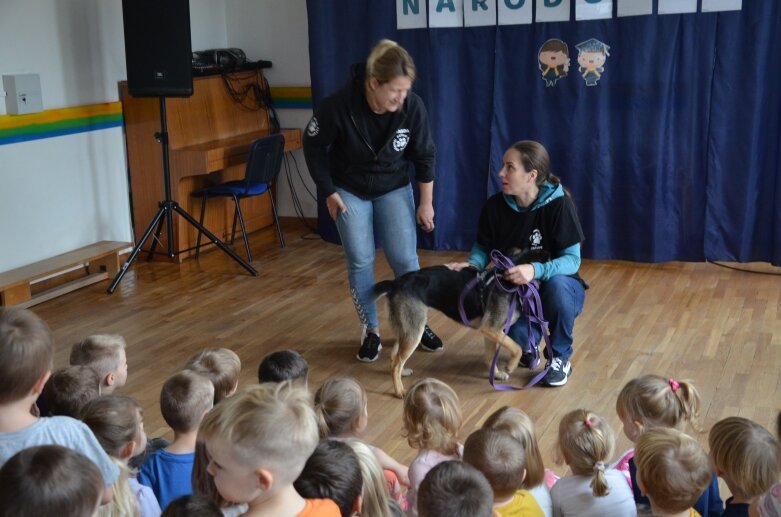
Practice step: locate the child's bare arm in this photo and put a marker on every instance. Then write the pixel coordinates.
(386, 462)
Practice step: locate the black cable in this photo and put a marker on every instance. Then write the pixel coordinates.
(720, 264)
(294, 196)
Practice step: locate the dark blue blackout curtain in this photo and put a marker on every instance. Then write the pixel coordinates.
(673, 155)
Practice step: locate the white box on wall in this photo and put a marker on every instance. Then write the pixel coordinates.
(23, 94)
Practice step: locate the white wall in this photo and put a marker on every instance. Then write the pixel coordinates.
(58, 194)
(277, 31)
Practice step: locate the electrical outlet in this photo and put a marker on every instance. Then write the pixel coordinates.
(23, 94)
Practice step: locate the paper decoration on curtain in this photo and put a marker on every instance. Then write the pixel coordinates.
(677, 6)
(446, 13)
(411, 14)
(552, 11)
(479, 13)
(592, 55)
(593, 10)
(514, 12)
(635, 7)
(721, 5)
(553, 60)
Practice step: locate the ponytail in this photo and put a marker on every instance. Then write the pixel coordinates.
(587, 441)
(689, 400)
(599, 486)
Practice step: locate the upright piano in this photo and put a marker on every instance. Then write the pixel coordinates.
(209, 135)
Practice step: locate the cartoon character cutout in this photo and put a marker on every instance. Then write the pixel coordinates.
(554, 61)
(592, 55)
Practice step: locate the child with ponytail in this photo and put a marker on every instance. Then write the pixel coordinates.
(586, 443)
(118, 424)
(652, 401)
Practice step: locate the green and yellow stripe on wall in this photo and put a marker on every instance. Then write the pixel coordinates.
(58, 122)
(291, 97)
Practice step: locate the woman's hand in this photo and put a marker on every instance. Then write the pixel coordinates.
(335, 205)
(520, 275)
(425, 217)
(458, 266)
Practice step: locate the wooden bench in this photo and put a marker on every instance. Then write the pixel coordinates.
(101, 260)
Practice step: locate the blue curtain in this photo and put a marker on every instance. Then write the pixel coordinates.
(673, 155)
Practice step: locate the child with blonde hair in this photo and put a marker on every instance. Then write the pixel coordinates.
(432, 419)
(500, 458)
(652, 401)
(118, 424)
(586, 443)
(258, 442)
(769, 503)
(104, 353)
(184, 400)
(375, 497)
(521, 427)
(341, 406)
(672, 470)
(49, 480)
(746, 456)
(222, 366)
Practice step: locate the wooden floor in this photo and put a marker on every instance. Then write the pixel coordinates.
(717, 326)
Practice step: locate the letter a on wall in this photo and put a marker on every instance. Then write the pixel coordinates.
(446, 13)
(411, 14)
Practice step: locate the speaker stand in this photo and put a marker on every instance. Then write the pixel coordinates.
(165, 214)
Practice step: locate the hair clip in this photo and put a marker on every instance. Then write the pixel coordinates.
(599, 466)
(674, 385)
(587, 422)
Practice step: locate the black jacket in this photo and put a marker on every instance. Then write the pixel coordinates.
(338, 151)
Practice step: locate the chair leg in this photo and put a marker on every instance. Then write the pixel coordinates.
(203, 214)
(243, 228)
(276, 219)
(235, 216)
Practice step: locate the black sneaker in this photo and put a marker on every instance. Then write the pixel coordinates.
(430, 342)
(370, 348)
(526, 360)
(558, 372)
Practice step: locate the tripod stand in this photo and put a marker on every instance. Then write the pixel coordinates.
(165, 214)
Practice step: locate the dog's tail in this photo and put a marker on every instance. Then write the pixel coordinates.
(383, 288)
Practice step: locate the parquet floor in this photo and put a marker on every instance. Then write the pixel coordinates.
(719, 327)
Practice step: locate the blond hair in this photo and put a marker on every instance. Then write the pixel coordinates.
(115, 420)
(100, 352)
(672, 468)
(388, 60)
(270, 426)
(499, 457)
(185, 397)
(520, 427)
(587, 442)
(746, 454)
(375, 496)
(339, 402)
(432, 416)
(221, 366)
(27, 351)
(655, 401)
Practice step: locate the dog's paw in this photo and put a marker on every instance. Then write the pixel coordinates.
(406, 372)
(501, 375)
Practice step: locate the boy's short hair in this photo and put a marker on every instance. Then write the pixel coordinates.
(332, 472)
(746, 454)
(192, 506)
(221, 366)
(49, 480)
(69, 388)
(499, 457)
(27, 350)
(283, 365)
(99, 351)
(271, 426)
(455, 489)
(672, 469)
(185, 397)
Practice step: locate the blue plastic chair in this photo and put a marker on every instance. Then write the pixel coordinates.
(265, 160)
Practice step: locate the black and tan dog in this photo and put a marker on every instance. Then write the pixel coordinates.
(438, 287)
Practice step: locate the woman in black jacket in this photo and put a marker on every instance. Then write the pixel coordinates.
(358, 147)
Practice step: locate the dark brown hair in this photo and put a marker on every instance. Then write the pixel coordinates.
(49, 480)
(283, 365)
(332, 472)
(535, 156)
(455, 489)
(68, 389)
(27, 350)
(184, 399)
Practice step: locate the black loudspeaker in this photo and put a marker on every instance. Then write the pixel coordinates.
(158, 50)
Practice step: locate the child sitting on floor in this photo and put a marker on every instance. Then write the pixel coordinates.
(104, 353)
(284, 365)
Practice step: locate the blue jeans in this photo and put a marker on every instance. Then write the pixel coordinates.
(391, 217)
(562, 301)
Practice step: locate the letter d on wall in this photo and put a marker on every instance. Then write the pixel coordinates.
(552, 10)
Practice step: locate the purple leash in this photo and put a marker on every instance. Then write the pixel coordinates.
(531, 307)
